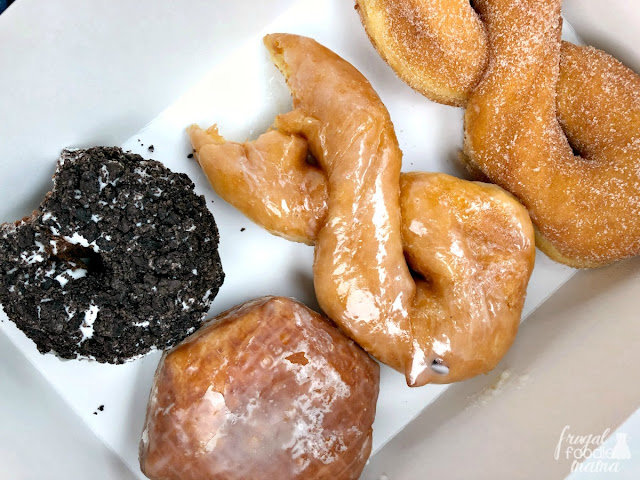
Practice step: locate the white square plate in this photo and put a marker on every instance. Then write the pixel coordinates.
(243, 93)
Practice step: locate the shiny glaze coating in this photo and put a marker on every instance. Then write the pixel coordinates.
(531, 100)
(267, 390)
(233, 167)
(470, 244)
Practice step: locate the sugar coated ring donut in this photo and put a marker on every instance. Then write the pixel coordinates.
(555, 124)
(120, 259)
(269, 389)
(585, 208)
(438, 47)
(453, 311)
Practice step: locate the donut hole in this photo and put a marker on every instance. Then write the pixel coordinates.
(93, 262)
(574, 147)
(416, 275)
(311, 160)
(84, 257)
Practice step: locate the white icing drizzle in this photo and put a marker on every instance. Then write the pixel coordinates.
(104, 173)
(73, 274)
(77, 239)
(90, 317)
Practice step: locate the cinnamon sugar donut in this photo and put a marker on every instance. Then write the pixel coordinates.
(269, 389)
(550, 95)
(586, 206)
(438, 47)
(450, 313)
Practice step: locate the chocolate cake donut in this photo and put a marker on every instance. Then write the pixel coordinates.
(120, 259)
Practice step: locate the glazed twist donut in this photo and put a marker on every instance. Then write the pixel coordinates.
(469, 245)
(555, 124)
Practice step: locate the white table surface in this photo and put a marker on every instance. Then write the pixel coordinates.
(574, 362)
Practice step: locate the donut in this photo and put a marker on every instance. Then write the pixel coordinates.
(571, 146)
(120, 259)
(438, 47)
(583, 196)
(287, 166)
(425, 271)
(269, 389)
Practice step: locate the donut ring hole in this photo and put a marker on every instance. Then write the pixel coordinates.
(416, 275)
(575, 148)
(311, 160)
(84, 257)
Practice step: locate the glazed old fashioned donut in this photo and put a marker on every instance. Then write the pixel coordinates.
(454, 310)
(120, 259)
(584, 199)
(267, 390)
